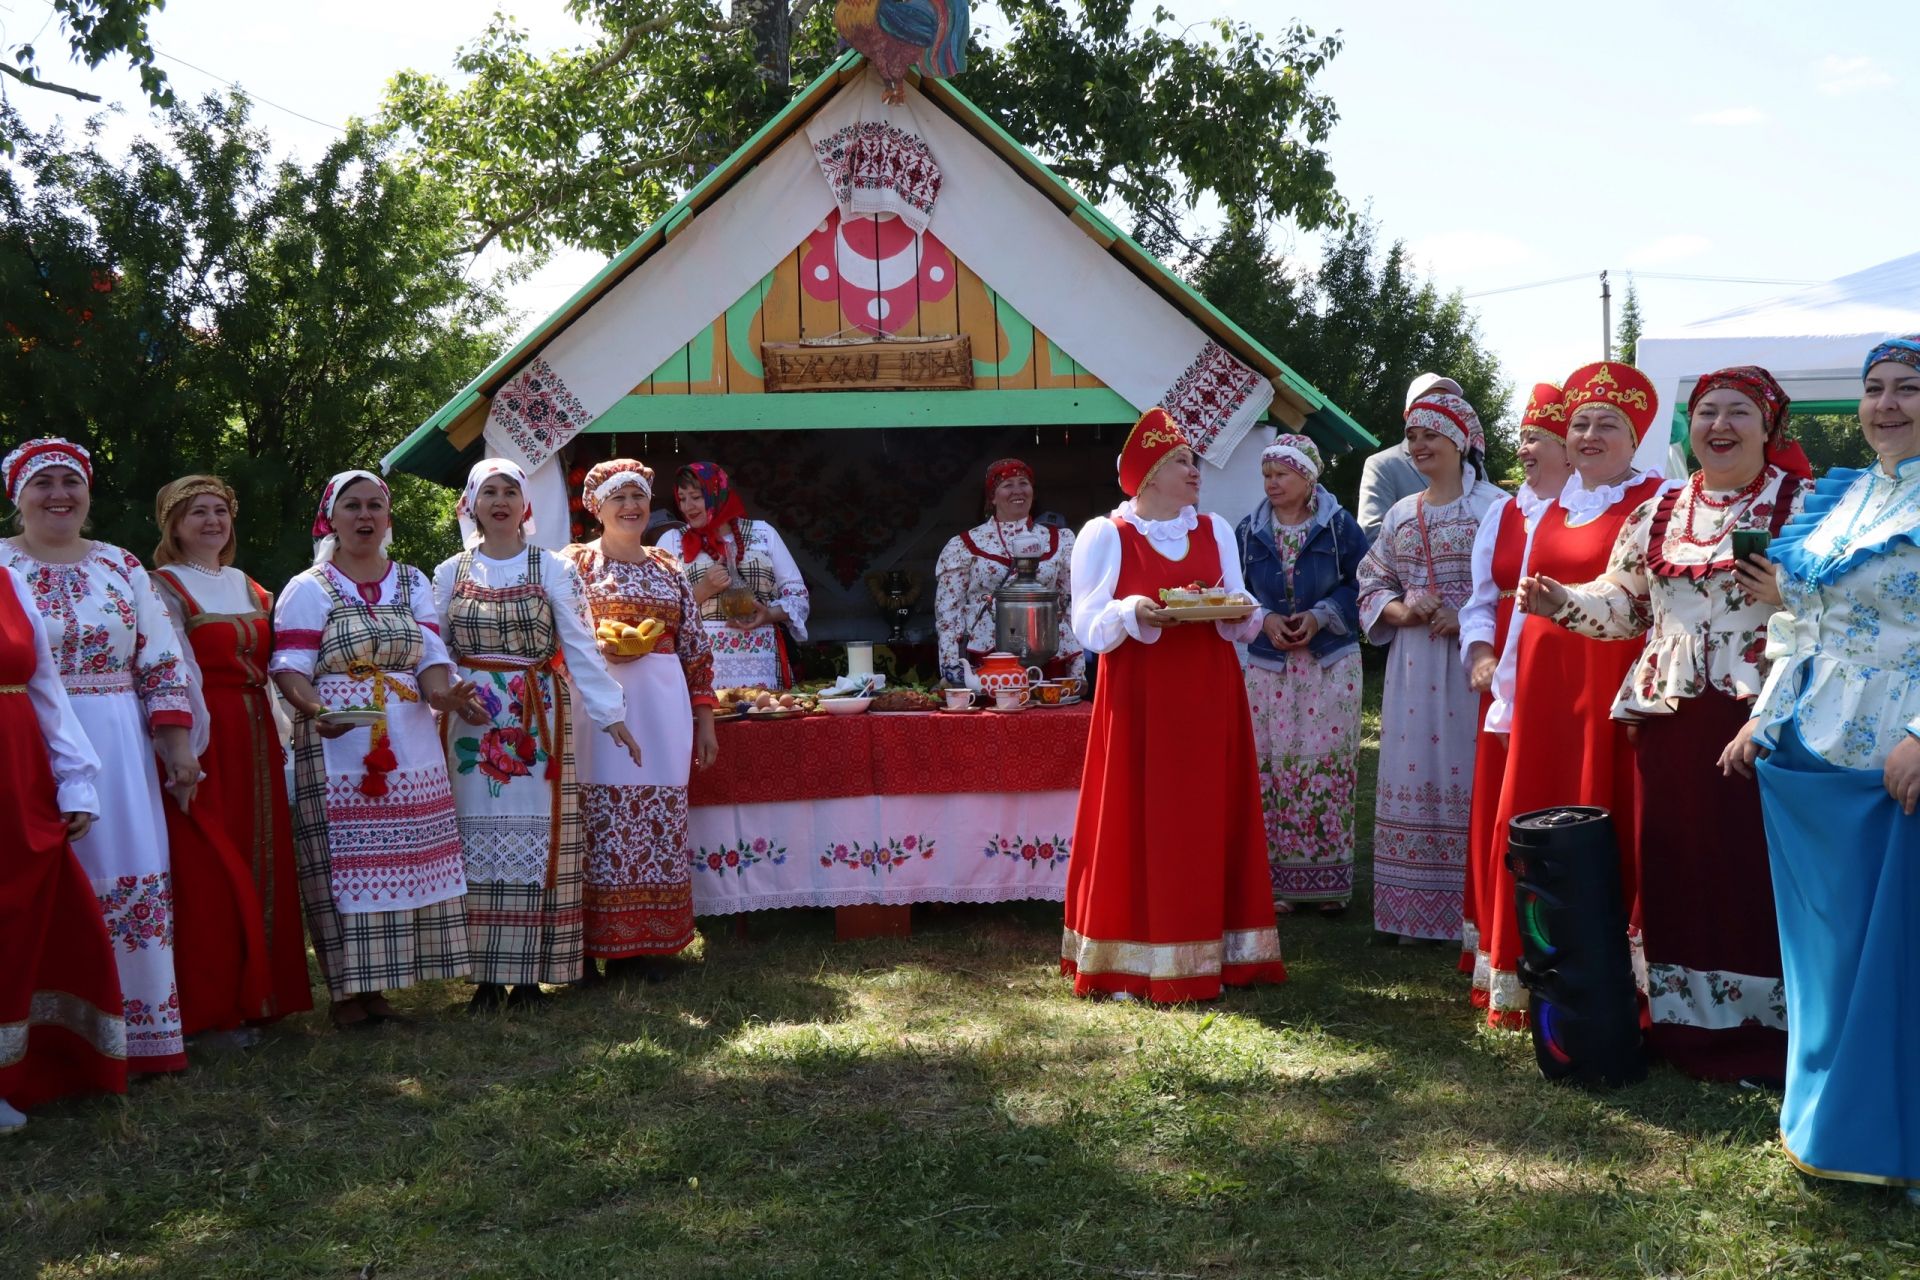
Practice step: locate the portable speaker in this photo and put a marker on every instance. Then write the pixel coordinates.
(1573, 936)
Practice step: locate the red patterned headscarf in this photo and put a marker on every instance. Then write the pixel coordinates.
(1001, 470)
(723, 508)
(1759, 386)
(35, 456)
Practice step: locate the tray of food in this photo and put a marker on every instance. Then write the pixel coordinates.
(767, 704)
(352, 717)
(1197, 602)
(630, 641)
(902, 702)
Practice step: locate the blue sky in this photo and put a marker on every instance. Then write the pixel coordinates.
(1505, 142)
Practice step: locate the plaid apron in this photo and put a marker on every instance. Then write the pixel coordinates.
(514, 782)
(756, 658)
(379, 647)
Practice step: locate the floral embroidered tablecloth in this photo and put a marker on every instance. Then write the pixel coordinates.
(887, 810)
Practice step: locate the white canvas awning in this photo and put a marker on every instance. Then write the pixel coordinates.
(1813, 341)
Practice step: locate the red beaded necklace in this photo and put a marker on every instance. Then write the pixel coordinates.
(1698, 485)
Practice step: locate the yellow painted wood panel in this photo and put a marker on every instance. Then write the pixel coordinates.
(819, 317)
(942, 315)
(1021, 350)
(780, 314)
(974, 312)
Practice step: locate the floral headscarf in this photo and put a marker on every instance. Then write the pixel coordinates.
(1297, 453)
(1001, 470)
(1899, 350)
(723, 508)
(484, 470)
(1450, 416)
(1759, 386)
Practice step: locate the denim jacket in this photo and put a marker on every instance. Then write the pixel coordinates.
(1323, 577)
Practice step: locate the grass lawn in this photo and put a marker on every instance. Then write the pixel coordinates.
(938, 1106)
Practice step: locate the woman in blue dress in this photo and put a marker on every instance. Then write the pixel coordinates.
(1837, 730)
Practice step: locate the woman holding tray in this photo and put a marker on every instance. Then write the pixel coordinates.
(1168, 892)
(639, 877)
(358, 654)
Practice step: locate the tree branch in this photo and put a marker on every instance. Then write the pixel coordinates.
(629, 38)
(801, 9)
(34, 82)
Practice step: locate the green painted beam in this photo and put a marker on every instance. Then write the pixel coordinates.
(845, 410)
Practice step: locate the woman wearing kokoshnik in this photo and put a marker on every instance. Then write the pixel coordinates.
(242, 954)
(1837, 723)
(514, 620)
(1677, 577)
(639, 893)
(1413, 583)
(975, 564)
(375, 835)
(132, 691)
(749, 590)
(1299, 553)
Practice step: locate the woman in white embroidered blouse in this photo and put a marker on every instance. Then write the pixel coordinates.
(974, 564)
(1840, 714)
(1677, 575)
(749, 589)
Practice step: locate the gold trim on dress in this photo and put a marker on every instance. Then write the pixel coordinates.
(1871, 1179)
(13, 688)
(105, 1032)
(1169, 960)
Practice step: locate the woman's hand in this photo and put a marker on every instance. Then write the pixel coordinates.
(1152, 615)
(1903, 773)
(619, 732)
(1483, 665)
(1304, 626)
(177, 763)
(1739, 755)
(1540, 596)
(761, 616)
(1759, 580)
(463, 700)
(611, 652)
(1278, 634)
(1444, 622)
(324, 729)
(78, 824)
(712, 581)
(706, 743)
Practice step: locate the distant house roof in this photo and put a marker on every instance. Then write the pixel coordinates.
(438, 448)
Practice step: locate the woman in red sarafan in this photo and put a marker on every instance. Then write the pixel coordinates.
(1565, 747)
(241, 954)
(1168, 892)
(61, 1029)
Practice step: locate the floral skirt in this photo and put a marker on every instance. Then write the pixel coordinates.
(639, 873)
(1306, 732)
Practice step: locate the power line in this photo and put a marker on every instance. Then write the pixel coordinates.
(1537, 284)
(250, 93)
(1645, 275)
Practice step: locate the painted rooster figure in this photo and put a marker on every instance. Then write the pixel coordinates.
(896, 34)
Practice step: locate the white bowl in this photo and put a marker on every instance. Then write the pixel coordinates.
(845, 706)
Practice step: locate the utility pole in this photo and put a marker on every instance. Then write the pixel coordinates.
(1606, 318)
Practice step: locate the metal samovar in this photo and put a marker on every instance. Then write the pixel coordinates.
(1026, 615)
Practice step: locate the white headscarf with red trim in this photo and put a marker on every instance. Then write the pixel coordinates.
(1450, 416)
(35, 456)
(484, 470)
(325, 539)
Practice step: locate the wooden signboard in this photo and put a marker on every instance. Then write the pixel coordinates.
(942, 363)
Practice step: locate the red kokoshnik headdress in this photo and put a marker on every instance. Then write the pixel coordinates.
(1618, 386)
(35, 456)
(1546, 411)
(1153, 437)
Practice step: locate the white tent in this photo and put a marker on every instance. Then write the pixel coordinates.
(1813, 341)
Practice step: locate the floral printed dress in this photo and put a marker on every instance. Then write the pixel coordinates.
(1306, 733)
(513, 627)
(1429, 716)
(639, 868)
(973, 565)
(1712, 945)
(125, 675)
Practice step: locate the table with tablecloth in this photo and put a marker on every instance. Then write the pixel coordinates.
(876, 809)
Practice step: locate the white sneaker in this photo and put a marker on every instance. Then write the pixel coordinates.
(1121, 997)
(11, 1121)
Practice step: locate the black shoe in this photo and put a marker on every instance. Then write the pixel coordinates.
(526, 995)
(488, 997)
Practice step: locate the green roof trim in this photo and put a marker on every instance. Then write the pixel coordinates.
(421, 454)
(847, 410)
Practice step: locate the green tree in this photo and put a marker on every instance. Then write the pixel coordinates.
(588, 146)
(1360, 327)
(1626, 333)
(196, 306)
(95, 31)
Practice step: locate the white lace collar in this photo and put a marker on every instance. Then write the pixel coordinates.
(1166, 531)
(1583, 504)
(1531, 504)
